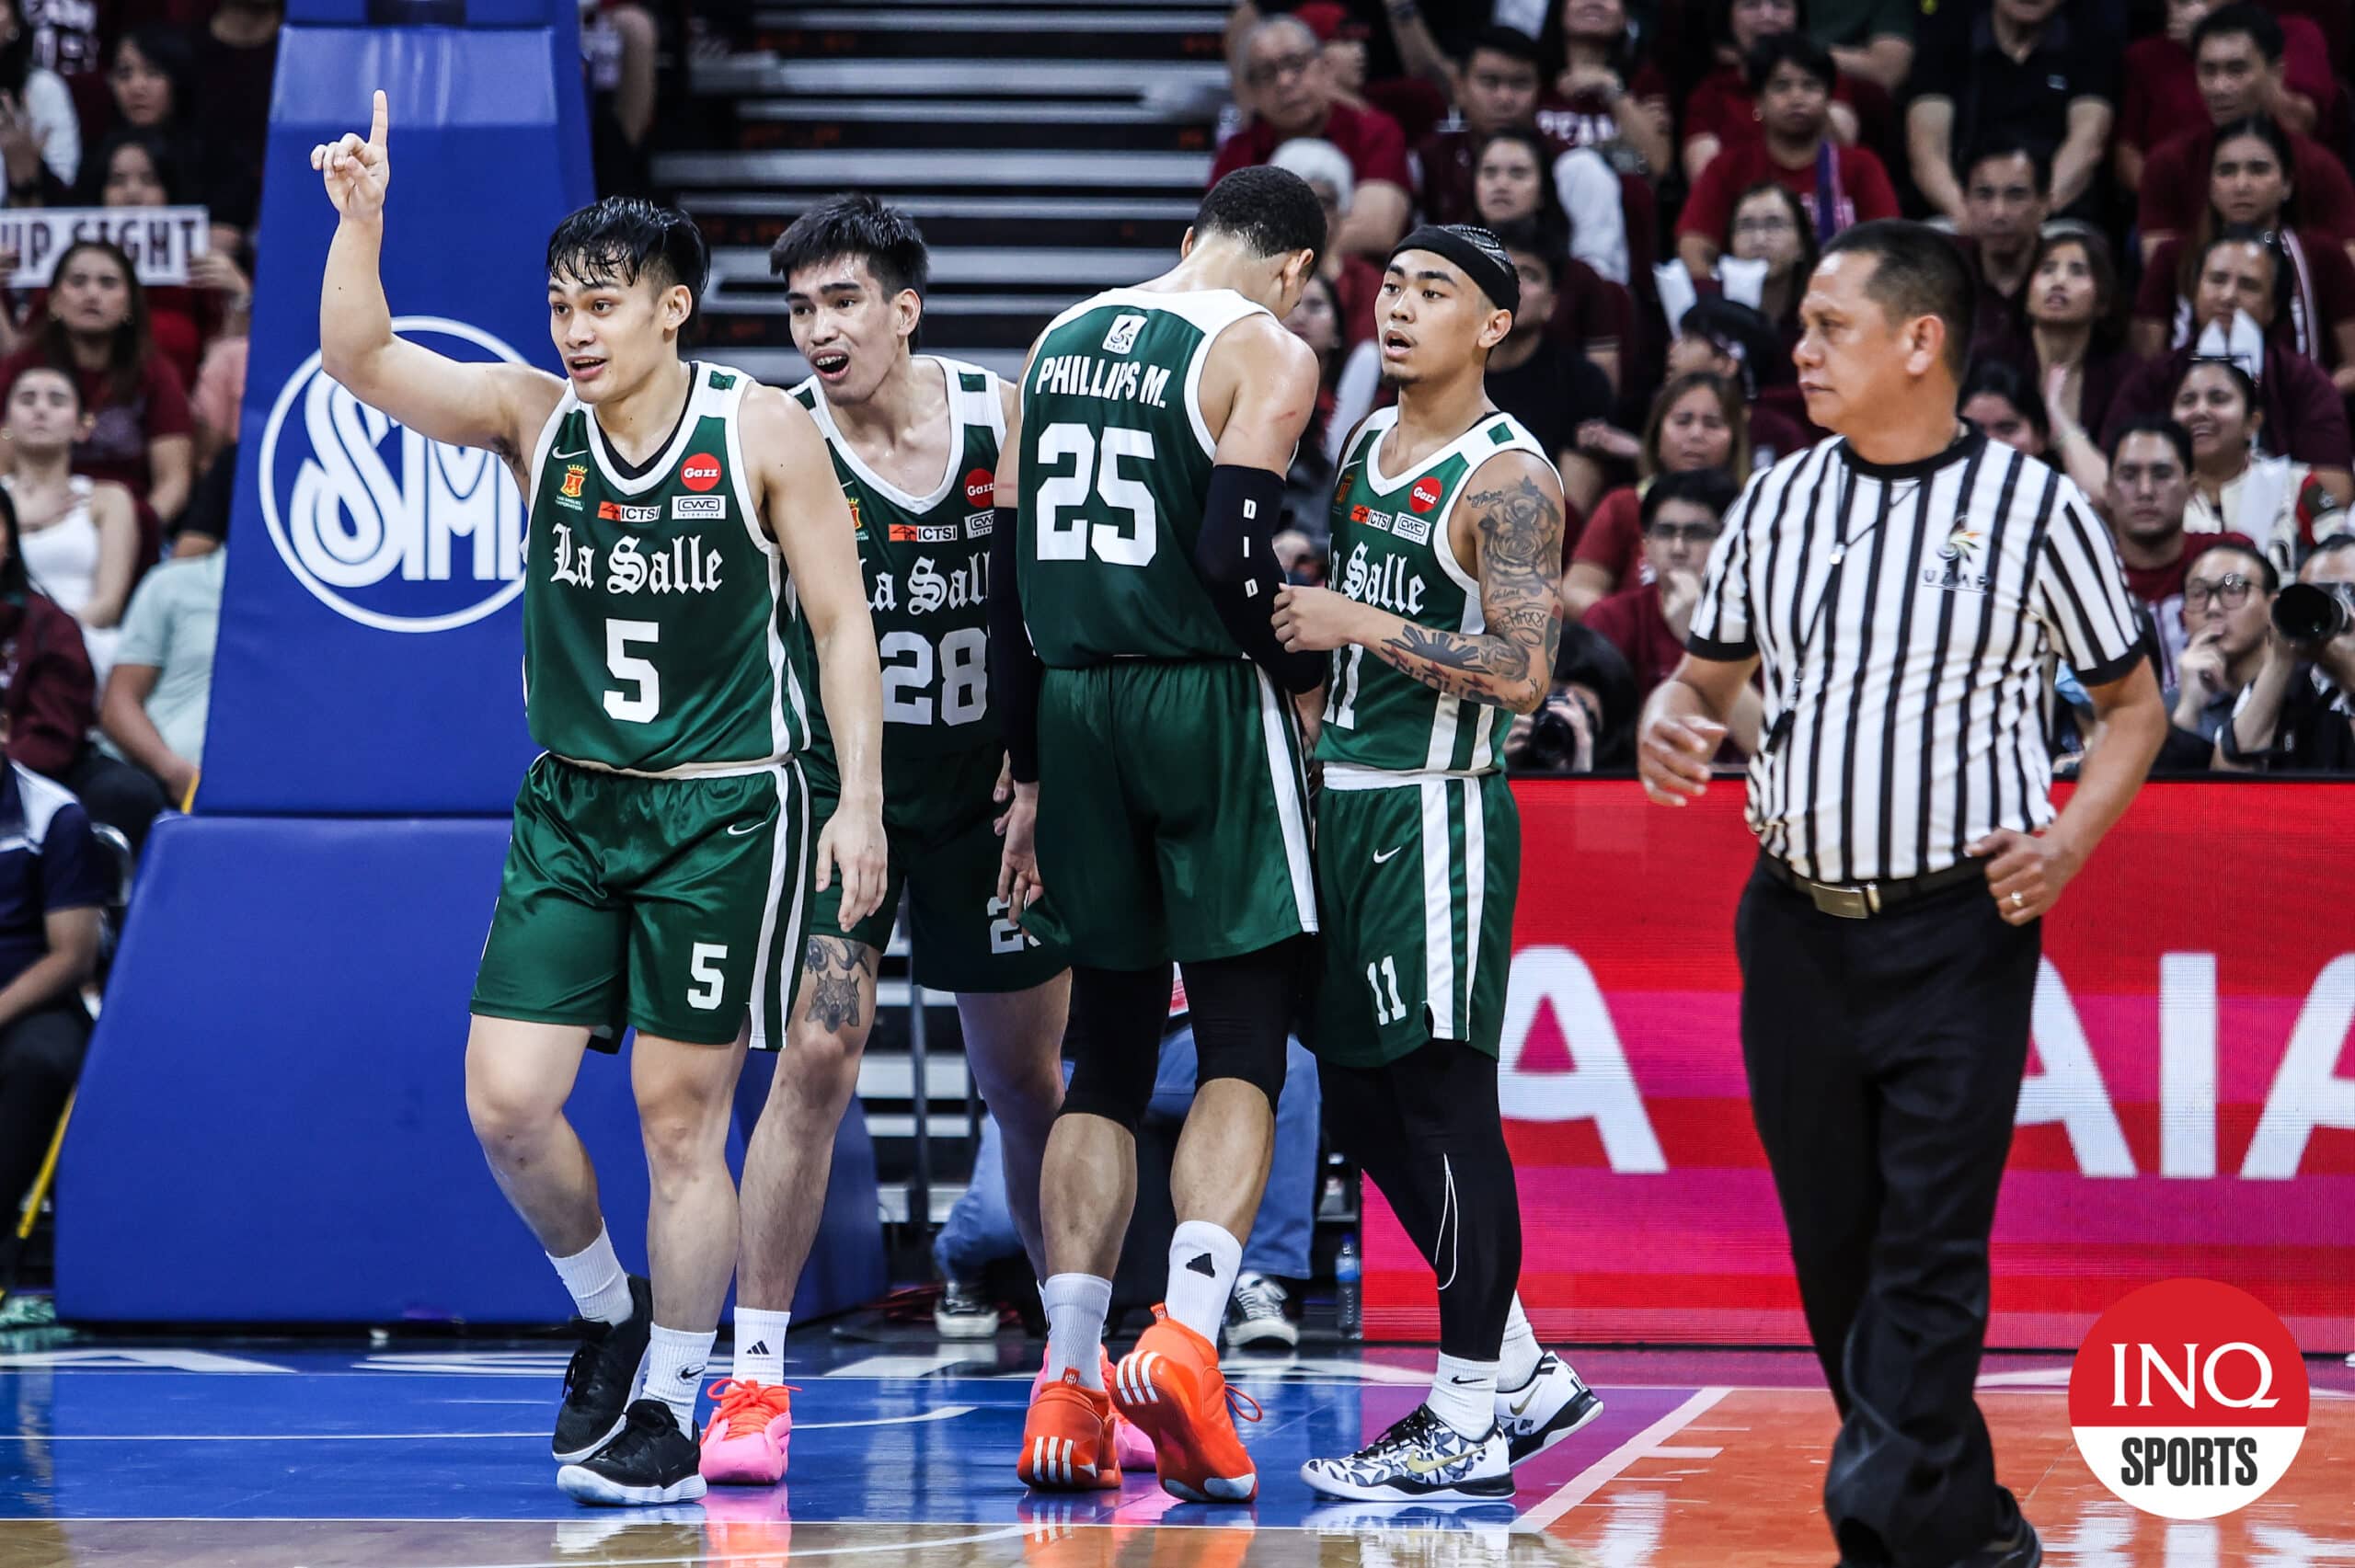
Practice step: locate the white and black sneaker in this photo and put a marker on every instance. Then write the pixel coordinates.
(648, 1461)
(602, 1378)
(1255, 1316)
(964, 1312)
(1420, 1459)
(1554, 1403)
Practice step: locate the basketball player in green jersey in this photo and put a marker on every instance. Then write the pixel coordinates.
(1161, 768)
(659, 846)
(916, 446)
(1447, 539)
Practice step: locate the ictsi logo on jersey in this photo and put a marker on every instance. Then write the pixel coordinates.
(2188, 1399)
(382, 525)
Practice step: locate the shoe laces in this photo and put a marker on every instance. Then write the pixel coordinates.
(1259, 1297)
(746, 1407)
(1236, 1400)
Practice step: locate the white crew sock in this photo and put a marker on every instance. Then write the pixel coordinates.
(1517, 1362)
(760, 1345)
(1203, 1262)
(675, 1360)
(1076, 1306)
(599, 1283)
(1463, 1395)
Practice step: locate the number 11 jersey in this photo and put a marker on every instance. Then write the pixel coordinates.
(1115, 463)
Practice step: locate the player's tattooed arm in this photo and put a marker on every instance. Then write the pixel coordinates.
(836, 965)
(1518, 525)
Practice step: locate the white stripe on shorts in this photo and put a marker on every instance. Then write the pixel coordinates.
(788, 853)
(1475, 888)
(1292, 817)
(1439, 911)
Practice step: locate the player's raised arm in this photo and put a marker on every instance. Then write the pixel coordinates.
(489, 405)
(1267, 377)
(805, 511)
(1514, 511)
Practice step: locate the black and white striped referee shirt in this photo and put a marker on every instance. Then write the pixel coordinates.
(1905, 618)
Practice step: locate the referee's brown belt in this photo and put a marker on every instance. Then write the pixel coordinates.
(1862, 900)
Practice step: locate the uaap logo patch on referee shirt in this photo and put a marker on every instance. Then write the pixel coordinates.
(1961, 554)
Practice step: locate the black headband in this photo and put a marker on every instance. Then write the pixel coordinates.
(1478, 254)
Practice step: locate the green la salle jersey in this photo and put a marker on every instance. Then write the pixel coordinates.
(655, 604)
(1116, 462)
(926, 562)
(1391, 549)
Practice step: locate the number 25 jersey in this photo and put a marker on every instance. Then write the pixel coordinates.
(1116, 462)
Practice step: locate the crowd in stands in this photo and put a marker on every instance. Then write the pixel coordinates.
(2153, 196)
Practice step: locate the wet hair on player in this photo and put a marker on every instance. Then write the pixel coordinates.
(1917, 271)
(1273, 212)
(626, 240)
(856, 228)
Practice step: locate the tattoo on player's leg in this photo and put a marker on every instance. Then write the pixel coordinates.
(835, 963)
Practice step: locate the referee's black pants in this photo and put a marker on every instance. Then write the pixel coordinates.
(1885, 1058)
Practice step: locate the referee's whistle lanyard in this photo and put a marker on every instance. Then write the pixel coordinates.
(1841, 544)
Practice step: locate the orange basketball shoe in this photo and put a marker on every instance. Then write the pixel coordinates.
(1067, 1440)
(1171, 1388)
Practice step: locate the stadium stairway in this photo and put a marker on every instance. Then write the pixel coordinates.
(1049, 148)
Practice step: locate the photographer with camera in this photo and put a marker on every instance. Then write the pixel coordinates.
(1586, 723)
(2298, 715)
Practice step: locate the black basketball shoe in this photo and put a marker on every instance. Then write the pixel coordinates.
(648, 1461)
(602, 1375)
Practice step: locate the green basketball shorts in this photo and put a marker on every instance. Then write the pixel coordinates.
(1416, 881)
(944, 853)
(671, 906)
(1173, 820)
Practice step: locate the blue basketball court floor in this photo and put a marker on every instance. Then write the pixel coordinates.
(329, 1455)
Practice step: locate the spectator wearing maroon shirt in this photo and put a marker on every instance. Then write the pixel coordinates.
(2237, 52)
(1680, 517)
(2249, 186)
(2150, 485)
(1720, 111)
(1603, 94)
(2163, 94)
(47, 696)
(1839, 185)
(1699, 421)
(134, 167)
(236, 59)
(140, 433)
(2004, 209)
(2072, 352)
(1498, 92)
(2277, 503)
(2024, 72)
(1739, 344)
(2299, 414)
(1293, 96)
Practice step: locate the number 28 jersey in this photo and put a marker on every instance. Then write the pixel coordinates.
(1115, 463)
(925, 561)
(656, 607)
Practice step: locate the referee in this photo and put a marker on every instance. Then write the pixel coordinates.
(1902, 588)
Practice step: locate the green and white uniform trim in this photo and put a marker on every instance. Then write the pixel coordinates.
(1392, 549)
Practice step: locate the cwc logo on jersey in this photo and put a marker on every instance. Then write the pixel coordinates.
(574, 475)
(699, 506)
(381, 525)
(1425, 494)
(614, 511)
(980, 488)
(700, 473)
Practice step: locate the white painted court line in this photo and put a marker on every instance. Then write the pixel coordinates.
(799, 1554)
(1593, 1479)
(946, 1413)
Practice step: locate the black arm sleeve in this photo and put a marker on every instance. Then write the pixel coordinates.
(1235, 563)
(1014, 664)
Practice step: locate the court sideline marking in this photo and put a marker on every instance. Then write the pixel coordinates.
(1593, 1479)
(946, 1413)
